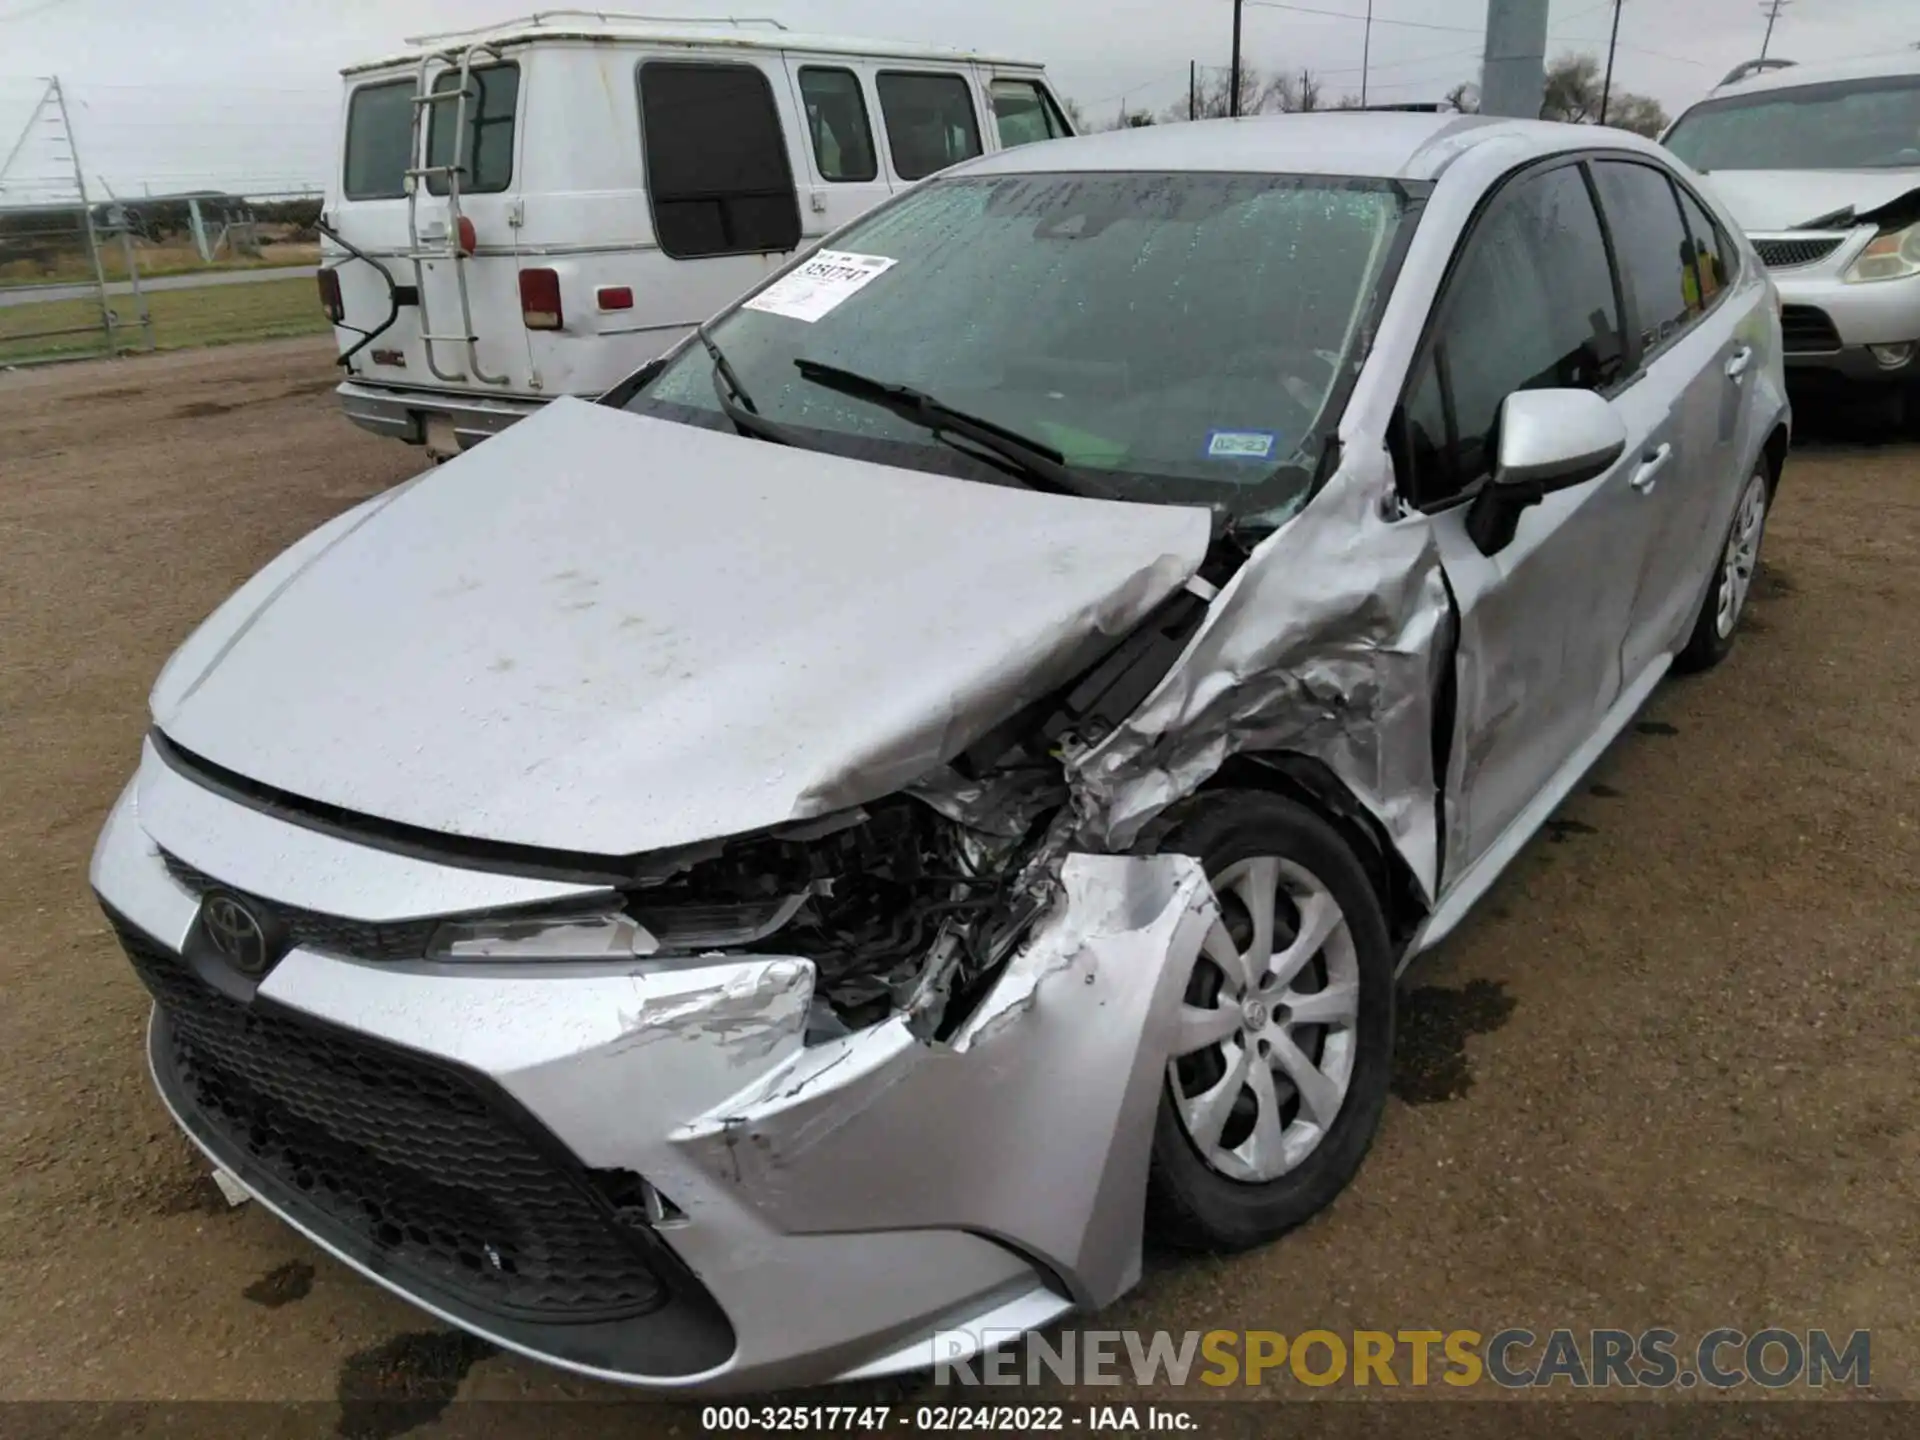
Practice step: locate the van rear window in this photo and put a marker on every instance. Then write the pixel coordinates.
(717, 167)
(379, 129)
(486, 157)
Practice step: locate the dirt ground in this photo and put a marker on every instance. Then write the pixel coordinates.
(1665, 1076)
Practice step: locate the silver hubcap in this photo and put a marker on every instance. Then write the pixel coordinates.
(1265, 1050)
(1743, 555)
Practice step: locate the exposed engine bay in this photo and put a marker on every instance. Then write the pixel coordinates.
(913, 901)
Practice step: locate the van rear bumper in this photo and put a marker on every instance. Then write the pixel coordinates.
(403, 414)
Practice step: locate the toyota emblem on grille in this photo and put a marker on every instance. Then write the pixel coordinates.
(237, 933)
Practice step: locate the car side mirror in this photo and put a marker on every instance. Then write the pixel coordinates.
(1549, 440)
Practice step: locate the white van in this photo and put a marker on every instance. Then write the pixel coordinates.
(538, 208)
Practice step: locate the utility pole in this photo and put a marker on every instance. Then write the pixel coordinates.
(1606, 86)
(107, 317)
(1233, 104)
(1193, 90)
(1773, 9)
(1513, 63)
(1366, 54)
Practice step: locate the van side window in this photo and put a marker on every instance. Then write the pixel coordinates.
(837, 116)
(486, 155)
(379, 132)
(717, 168)
(1025, 113)
(930, 121)
(1530, 306)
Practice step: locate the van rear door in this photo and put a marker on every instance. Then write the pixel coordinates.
(374, 212)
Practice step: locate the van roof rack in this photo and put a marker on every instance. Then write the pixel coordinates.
(541, 17)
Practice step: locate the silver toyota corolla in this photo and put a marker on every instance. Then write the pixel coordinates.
(931, 784)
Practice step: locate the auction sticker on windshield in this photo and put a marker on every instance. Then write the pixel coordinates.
(820, 286)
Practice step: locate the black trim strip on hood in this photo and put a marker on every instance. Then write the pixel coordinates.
(415, 841)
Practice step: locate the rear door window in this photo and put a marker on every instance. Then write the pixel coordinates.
(486, 154)
(930, 121)
(1713, 252)
(717, 168)
(1655, 251)
(1025, 113)
(379, 133)
(837, 118)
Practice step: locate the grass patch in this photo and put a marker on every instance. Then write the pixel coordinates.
(153, 261)
(182, 319)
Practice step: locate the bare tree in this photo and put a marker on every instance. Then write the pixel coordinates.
(1573, 95)
(1306, 92)
(1259, 93)
(1076, 116)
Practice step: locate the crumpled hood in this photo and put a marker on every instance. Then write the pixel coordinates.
(1770, 200)
(610, 634)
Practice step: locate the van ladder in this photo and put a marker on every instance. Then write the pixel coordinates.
(418, 176)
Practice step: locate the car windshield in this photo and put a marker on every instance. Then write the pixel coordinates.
(1171, 337)
(1840, 125)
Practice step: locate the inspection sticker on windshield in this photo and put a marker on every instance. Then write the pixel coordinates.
(820, 286)
(1241, 445)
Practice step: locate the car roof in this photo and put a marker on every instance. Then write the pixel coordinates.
(1874, 67)
(738, 34)
(1357, 143)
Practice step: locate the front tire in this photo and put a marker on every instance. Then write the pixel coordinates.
(1285, 1044)
(1718, 622)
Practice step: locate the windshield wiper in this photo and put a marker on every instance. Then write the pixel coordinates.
(1039, 465)
(735, 402)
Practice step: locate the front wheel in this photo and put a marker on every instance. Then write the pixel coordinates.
(1739, 560)
(1284, 1048)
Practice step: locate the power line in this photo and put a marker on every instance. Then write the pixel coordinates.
(1344, 15)
(44, 5)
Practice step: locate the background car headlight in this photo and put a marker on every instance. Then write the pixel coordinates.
(1893, 256)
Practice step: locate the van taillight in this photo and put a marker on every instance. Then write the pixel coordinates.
(330, 296)
(540, 300)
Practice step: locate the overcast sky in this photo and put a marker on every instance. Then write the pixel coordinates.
(192, 93)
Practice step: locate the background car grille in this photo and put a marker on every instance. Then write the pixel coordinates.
(311, 930)
(1784, 254)
(411, 1159)
(1805, 330)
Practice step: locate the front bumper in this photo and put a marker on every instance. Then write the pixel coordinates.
(409, 414)
(1828, 324)
(832, 1209)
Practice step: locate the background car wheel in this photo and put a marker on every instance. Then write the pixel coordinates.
(1739, 561)
(1285, 1045)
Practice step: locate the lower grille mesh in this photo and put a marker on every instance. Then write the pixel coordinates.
(407, 1158)
(1805, 330)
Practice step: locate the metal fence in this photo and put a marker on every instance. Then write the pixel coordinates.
(53, 322)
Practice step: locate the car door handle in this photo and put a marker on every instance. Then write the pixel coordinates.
(1737, 366)
(1651, 464)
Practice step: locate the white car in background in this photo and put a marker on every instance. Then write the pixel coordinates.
(1820, 164)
